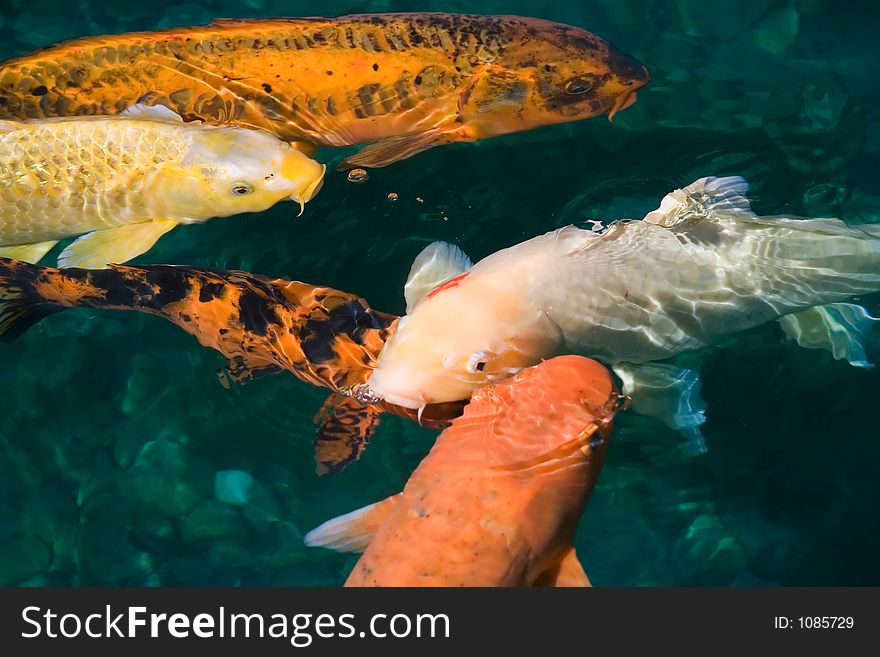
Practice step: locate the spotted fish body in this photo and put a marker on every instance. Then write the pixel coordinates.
(323, 336)
(411, 80)
(497, 500)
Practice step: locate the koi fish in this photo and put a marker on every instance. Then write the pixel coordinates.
(122, 182)
(701, 267)
(404, 82)
(497, 500)
(323, 336)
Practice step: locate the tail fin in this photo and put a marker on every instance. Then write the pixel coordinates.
(21, 306)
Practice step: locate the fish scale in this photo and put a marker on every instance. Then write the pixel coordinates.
(76, 165)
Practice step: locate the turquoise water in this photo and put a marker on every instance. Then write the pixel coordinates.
(114, 426)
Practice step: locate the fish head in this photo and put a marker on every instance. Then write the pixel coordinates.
(229, 171)
(549, 73)
(457, 340)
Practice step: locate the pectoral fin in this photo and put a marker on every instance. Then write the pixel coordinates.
(353, 531)
(837, 327)
(567, 573)
(346, 427)
(438, 262)
(100, 248)
(669, 393)
(393, 149)
(27, 252)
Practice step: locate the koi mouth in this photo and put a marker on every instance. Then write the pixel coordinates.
(621, 102)
(365, 394)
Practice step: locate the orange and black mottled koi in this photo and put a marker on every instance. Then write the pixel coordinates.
(261, 326)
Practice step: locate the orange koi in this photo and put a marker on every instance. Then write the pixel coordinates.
(497, 500)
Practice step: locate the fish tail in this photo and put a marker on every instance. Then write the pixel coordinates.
(21, 304)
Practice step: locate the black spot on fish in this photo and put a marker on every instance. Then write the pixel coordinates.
(119, 289)
(172, 284)
(375, 67)
(255, 313)
(223, 331)
(626, 67)
(267, 88)
(329, 72)
(40, 91)
(352, 319)
(210, 291)
(317, 344)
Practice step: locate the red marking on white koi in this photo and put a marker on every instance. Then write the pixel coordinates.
(452, 282)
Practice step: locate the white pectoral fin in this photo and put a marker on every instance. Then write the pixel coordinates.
(27, 252)
(100, 248)
(699, 198)
(837, 327)
(669, 393)
(353, 531)
(438, 262)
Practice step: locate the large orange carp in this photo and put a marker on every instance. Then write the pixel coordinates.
(404, 82)
(497, 500)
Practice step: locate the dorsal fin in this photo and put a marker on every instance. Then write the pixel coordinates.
(353, 531)
(699, 198)
(144, 111)
(438, 262)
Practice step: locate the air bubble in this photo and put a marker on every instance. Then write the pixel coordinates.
(358, 175)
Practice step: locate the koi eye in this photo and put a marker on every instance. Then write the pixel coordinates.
(478, 362)
(577, 86)
(240, 189)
